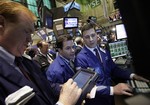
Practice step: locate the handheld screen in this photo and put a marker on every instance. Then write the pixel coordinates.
(82, 78)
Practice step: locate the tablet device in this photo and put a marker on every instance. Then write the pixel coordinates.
(86, 80)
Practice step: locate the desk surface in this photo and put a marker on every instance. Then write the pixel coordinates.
(140, 99)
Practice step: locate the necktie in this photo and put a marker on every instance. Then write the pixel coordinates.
(71, 63)
(50, 60)
(19, 64)
(97, 54)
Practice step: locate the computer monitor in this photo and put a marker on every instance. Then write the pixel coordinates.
(46, 18)
(42, 34)
(70, 22)
(118, 49)
(121, 32)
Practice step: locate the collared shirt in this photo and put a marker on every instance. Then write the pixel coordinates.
(50, 60)
(92, 50)
(65, 58)
(68, 62)
(59, 103)
(7, 56)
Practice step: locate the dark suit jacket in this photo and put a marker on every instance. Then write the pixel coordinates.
(11, 80)
(42, 61)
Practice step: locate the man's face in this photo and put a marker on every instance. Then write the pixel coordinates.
(44, 48)
(90, 38)
(68, 50)
(16, 36)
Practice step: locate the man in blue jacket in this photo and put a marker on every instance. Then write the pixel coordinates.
(61, 69)
(102, 63)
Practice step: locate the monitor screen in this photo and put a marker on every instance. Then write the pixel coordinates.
(46, 18)
(70, 22)
(42, 34)
(118, 48)
(49, 22)
(120, 31)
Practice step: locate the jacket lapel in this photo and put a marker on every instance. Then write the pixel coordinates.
(38, 80)
(63, 64)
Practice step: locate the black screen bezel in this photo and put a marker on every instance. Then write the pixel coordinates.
(64, 25)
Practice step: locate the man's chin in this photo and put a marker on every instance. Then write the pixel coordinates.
(72, 58)
(92, 46)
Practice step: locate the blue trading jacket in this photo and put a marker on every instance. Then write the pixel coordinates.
(106, 71)
(59, 71)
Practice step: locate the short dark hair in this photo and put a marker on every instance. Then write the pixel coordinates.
(61, 39)
(87, 27)
(39, 44)
(78, 40)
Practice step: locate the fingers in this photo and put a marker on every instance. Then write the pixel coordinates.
(88, 95)
(70, 81)
(128, 90)
(74, 86)
(78, 92)
(123, 89)
(70, 93)
(140, 78)
(128, 93)
(143, 79)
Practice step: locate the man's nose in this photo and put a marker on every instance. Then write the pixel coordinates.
(91, 38)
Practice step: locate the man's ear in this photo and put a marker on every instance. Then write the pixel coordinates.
(60, 50)
(2, 24)
(2, 20)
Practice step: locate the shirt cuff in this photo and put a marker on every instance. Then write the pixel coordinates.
(131, 76)
(59, 103)
(111, 91)
(93, 92)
